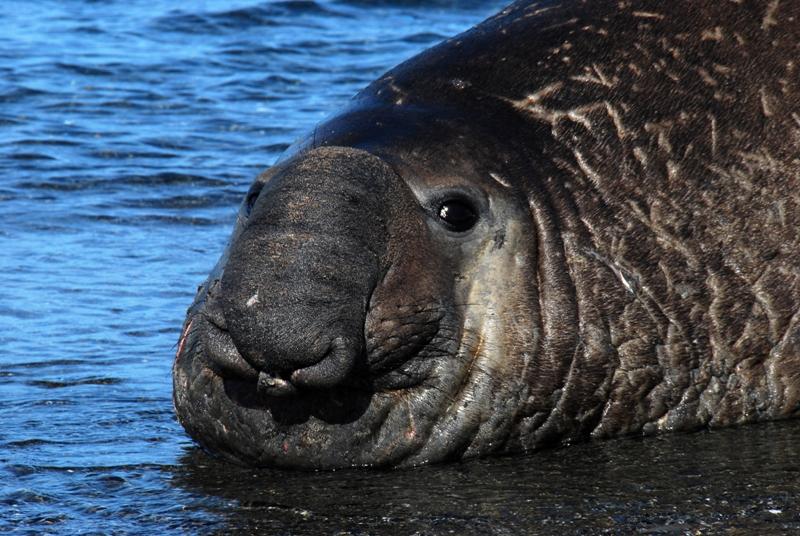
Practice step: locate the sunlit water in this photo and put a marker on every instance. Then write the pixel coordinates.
(129, 131)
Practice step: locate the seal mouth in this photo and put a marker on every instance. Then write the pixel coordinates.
(250, 416)
(225, 360)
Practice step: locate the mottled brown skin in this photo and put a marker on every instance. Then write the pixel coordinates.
(635, 266)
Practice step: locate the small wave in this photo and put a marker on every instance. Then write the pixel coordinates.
(55, 384)
(21, 469)
(112, 481)
(170, 178)
(109, 154)
(166, 143)
(68, 185)
(19, 314)
(27, 496)
(137, 333)
(123, 104)
(54, 402)
(8, 121)
(86, 70)
(119, 183)
(263, 15)
(47, 141)
(277, 79)
(249, 49)
(155, 218)
(92, 470)
(190, 23)
(423, 38)
(33, 442)
(454, 5)
(89, 30)
(303, 7)
(184, 201)
(29, 156)
(22, 93)
(49, 363)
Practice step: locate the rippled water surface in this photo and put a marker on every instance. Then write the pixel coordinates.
(129, 131)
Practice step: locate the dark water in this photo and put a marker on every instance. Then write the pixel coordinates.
(128, 133)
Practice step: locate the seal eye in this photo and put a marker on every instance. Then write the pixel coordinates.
(251, 200)
(252, 197)
(458, 215)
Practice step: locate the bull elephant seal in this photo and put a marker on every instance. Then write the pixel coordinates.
(577, 220)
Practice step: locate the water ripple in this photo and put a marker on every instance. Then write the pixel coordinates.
(84, 69)
(56, 384)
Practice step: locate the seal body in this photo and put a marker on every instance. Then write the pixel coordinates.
(577, 220)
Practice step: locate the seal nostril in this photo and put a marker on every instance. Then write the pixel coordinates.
(332, 369)
(335, 366)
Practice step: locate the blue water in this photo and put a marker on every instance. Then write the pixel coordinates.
(129, 131)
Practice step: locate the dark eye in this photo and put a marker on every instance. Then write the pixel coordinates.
(458, 215)
(252, 197)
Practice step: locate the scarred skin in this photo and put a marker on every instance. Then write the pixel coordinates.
(634, 268)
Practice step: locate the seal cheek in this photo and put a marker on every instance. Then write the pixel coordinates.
(396, 333)
(406, 308)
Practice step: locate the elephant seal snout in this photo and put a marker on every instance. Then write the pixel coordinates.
(578, 220)
(318, 229)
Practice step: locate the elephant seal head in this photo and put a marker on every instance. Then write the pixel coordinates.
(367, 311)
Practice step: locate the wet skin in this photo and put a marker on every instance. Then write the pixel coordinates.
(577, 220)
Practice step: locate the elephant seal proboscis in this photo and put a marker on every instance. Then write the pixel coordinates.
(577, 220)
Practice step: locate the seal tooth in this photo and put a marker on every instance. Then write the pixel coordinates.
(269, 385)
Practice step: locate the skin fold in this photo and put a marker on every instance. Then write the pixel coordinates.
(623, 178)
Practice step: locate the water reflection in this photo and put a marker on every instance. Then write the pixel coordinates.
(740, 478)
